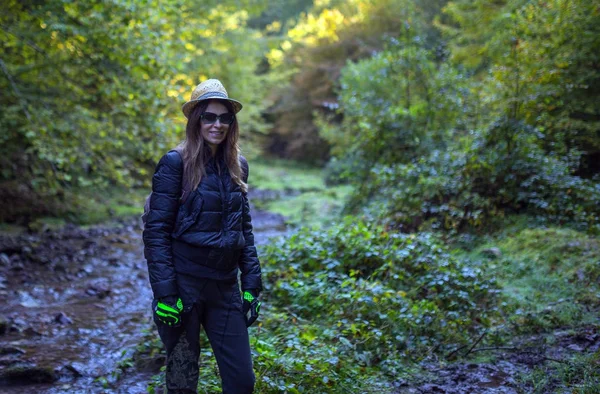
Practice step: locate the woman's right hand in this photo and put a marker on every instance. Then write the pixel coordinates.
(167, 310)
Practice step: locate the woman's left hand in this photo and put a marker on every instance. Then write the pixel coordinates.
(251, 306)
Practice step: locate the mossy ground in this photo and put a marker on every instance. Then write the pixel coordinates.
(312, 208)
(550, 284)
(305, 199)
(277, 174)
(550, 276)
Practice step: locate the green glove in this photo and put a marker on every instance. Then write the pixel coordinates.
(168, 311)
(251, 306)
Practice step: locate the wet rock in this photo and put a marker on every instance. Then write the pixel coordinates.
(531, 360)
(88, 268)
(39, 259)
(10, 249)
(4, 259)
(10, 350)
(150, 364)
(400, 383)
(32, 332)
(76, 369)
(63, 319)
(493, 253)
(8, 361)
(18, 324)
(15, 258)
(25, 374)
(98, 291)
(27, 300)
(432, 388)
(89, 244)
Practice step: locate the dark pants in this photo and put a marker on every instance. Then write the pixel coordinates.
(217, 306)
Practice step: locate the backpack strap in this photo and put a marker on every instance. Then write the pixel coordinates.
(244, 167)
(185, 185)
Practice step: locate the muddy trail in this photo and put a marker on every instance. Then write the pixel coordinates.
(74, 304)
(507, 365)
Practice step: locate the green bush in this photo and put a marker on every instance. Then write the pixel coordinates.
(387, 293)
(500, 171)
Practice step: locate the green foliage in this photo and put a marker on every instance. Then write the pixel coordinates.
(539, 62)
(499, 172)
(388, 294)
(319, 47)
(504, 124)
(279, 15)
(91, 91)
(393, 111)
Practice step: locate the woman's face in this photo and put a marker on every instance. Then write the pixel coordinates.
(214, 133)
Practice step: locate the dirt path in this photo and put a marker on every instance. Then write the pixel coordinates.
(74, 304)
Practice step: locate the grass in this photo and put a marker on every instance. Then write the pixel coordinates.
(578, 375)
(86, 209)
(310, 208)
(107, 205)
(543, 266)
(550, 279)
(309, 202)
(277, 174)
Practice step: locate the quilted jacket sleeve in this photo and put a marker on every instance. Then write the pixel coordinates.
(249, 263)
(164, 203)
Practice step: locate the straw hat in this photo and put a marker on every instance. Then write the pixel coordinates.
(209, 89)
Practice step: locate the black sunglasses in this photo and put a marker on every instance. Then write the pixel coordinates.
(210, 118)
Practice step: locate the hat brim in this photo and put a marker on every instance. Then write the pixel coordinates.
(187, 107)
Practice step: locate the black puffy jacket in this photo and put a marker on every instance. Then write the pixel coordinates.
(213, 227)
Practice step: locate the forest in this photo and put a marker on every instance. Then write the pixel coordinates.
(424, 182)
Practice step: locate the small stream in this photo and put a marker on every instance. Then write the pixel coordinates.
(76, 302)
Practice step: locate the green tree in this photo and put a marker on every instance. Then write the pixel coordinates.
(316, 51)
(539, 63)
(91, 91)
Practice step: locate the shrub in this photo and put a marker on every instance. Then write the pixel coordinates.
(498, 172)
(387, 294)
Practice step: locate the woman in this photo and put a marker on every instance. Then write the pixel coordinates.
(198, 235)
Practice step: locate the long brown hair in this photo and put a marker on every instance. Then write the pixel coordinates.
(196, 151)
